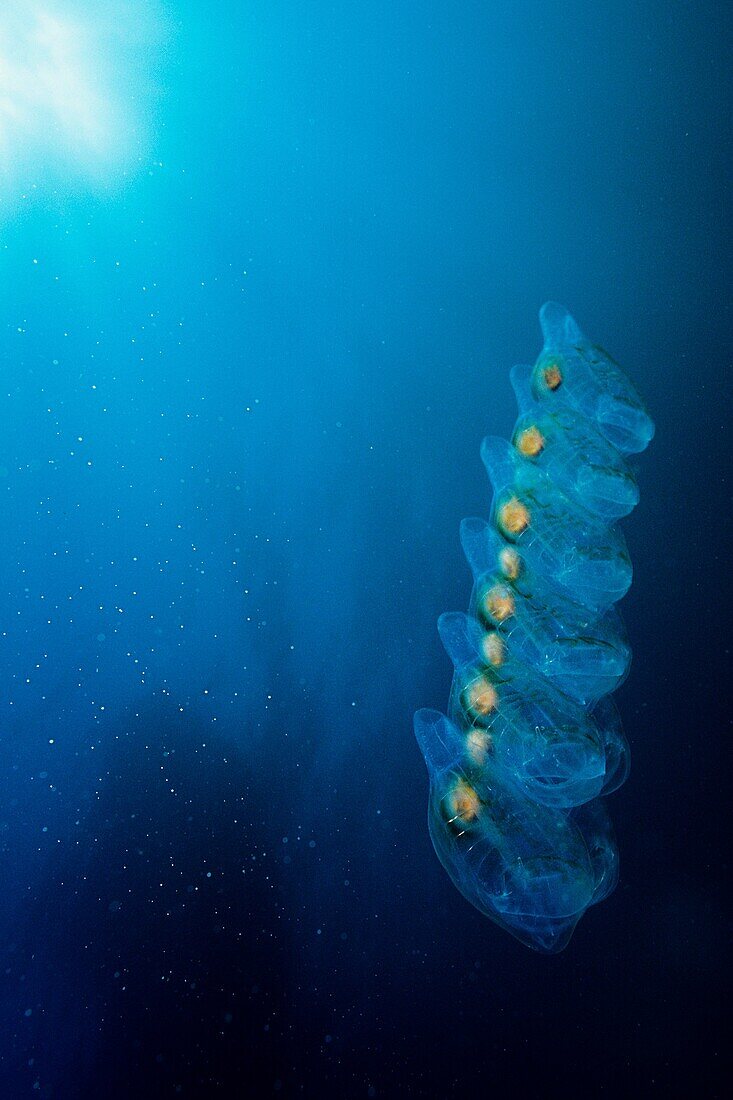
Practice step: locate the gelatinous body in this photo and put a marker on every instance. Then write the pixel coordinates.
(531, 739)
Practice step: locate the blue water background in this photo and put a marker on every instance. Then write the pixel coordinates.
(243, 395)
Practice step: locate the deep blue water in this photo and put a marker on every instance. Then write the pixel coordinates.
(265, 269)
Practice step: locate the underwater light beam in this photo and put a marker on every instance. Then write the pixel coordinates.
(63, 101)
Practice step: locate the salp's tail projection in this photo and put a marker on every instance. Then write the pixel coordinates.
(532, 738)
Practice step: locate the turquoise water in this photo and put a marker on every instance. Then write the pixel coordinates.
(265, 269)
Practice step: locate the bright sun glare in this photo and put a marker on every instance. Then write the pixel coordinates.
(63, 101)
